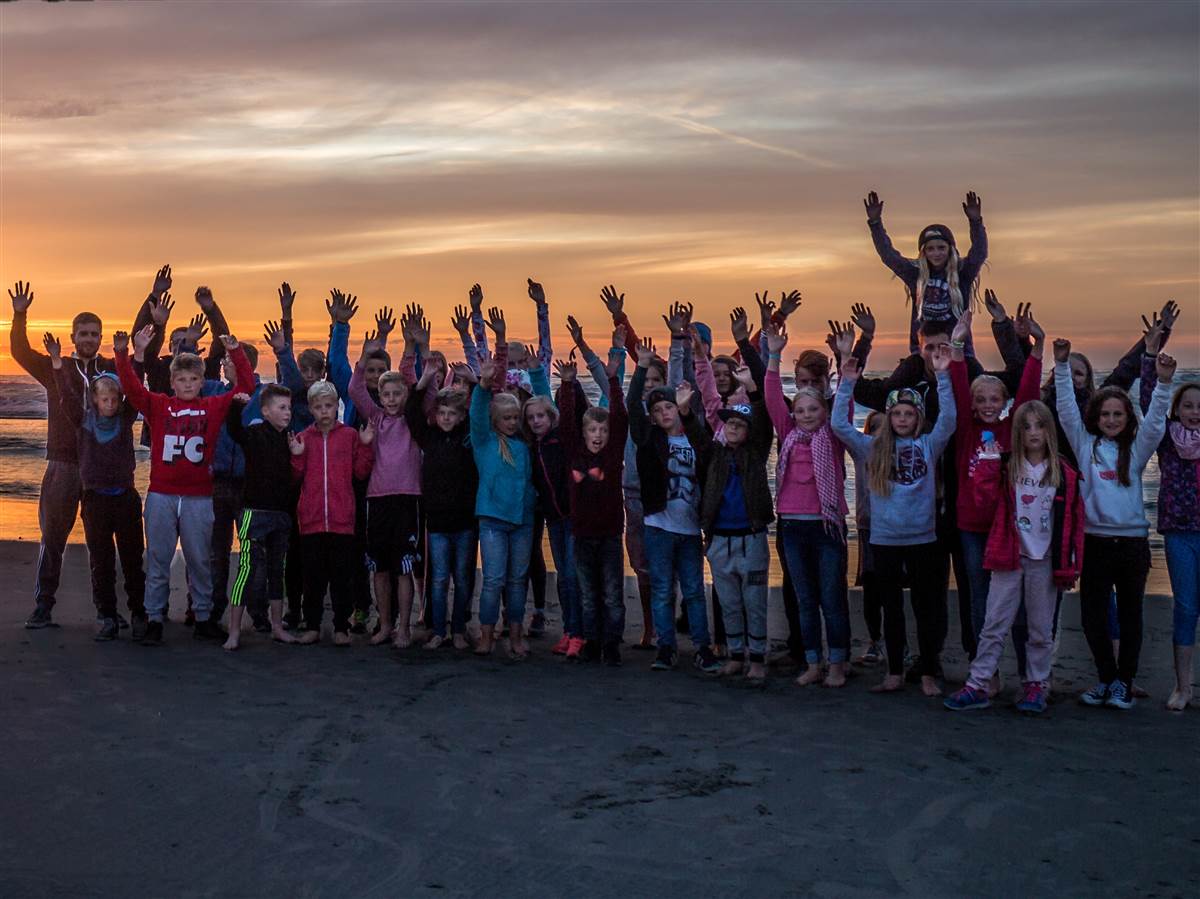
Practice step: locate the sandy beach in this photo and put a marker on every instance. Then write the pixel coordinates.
(287, 771)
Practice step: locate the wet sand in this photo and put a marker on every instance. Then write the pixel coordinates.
(184, 771)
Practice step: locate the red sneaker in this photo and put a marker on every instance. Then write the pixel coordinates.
(561, 647)
(575, 648)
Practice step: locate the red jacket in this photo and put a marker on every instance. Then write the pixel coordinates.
(979, 479)
(1003, 552)
(326, 471)
(183, 433)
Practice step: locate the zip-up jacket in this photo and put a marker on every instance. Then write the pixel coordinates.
(505, 491)
(183, 432)
(326, 471)
(397, 467)
(1003, 549)
(267, 461)
(750, 459)
(653, 448)
(104, 465)
(449, 479)
(596, 500)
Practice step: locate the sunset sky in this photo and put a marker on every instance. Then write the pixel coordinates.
(681, 151)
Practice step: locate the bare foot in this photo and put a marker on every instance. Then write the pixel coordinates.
(893, 683)
(460, 642)
(279, 635)
(995, 685)
(720, 651)
(757, 671)
(730, 668)
(647, 641)
(232, 643)
(484, 646)
(810, 676)
(520, 647)
(929, 686)
(307, 637)
(341, 638)
(1179, 699)
(402, 639)
(1139, 693)
(382, 637)
(836, 676)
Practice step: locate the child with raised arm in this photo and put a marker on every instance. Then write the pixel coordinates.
(183, 431)
(326, 458)
(268, 503)
(982, 438)
(810, 483)
(735, 511)
(1034, 550)
(1113, 451)
(449, 484)
(595, 449)
(672, 450)
(504, 504)
(112, 509)
(393, 498)
(940, 284)
(901, 463)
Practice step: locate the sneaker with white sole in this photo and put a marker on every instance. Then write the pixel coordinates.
(1098, 695)
(1120, 695)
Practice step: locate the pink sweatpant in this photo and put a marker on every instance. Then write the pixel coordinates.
(1034, 582)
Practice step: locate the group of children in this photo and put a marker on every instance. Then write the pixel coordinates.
(386, 483)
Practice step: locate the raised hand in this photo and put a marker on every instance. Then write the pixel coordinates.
(142, 339)
(419, 327)
(766, 308)
(487, 372)
(941, 358)
(275, 337)
(789, 302)
(962, 328)
(1021, 322)
(1035, 330)
(287, 297)
(993, 306)
(461, 322)
(680, 319)
(566, 371)
(230, 342)
(777, 338)
(613, 302)
(434, 366)
(526, 357)
(745, 378)
(576, 331)
(371, 344)
(1165, 365)
(972, 207)
(850, 370)
(120, 342)
(242, 399)
(204, 299)
(874, 206)
(1170, 312)
(535, 291)
(366, 434)
(295, 445)
(464, 372)
(196, 329)
(843, 338)
(162, 282)
(863, 318)
(683, 396)
(385, 323)
(341, 307)
(1062, 350)
(21, 296)
(475, 297)
(646, 352)
(739, 325)
(619, 335)
(495, 321)
(160, 311)
(53, 349)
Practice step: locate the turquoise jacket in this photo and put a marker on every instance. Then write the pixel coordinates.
(505, 491)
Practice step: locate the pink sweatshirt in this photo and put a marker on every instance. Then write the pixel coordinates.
(397, 456)
(797, 495)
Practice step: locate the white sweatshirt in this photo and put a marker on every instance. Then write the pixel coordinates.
(1111, 510)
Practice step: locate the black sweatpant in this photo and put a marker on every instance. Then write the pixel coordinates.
(925, 563)
(1109, 563)
(109, 520)
(869, 581)
(227, 514)
(329, 562)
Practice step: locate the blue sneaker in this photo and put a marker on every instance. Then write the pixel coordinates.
(1098, 695)
(665, 660)
(1033, 699)
(967, 698)
(1120, 695)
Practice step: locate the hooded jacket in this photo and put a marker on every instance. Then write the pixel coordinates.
(1003, 548)
(326, 471)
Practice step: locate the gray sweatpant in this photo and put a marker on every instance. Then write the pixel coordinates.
(58, 506)
(187, 520)
(739, 568)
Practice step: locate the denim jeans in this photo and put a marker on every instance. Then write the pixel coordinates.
(601, 574)
(979, 578)
(669, 556)
(1183, 565)
(817, 563)
(450, 556)
(504, 549)
(562, 548)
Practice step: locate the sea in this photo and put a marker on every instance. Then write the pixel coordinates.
(23, 447)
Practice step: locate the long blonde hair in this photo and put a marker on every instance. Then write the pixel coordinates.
(499, 403)
(1016, 460)
(881, 463)
(956, 295)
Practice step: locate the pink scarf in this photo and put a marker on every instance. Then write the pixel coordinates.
(825, 450)
(1186, 440)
